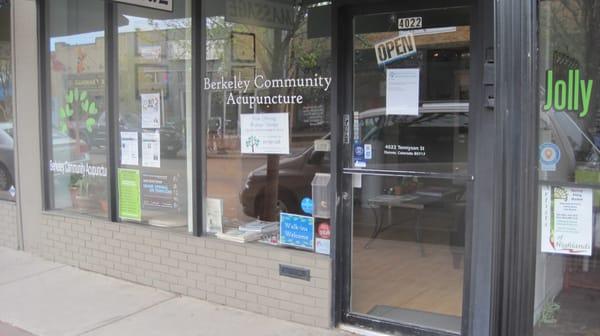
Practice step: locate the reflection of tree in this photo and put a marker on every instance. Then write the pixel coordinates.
(280, 53)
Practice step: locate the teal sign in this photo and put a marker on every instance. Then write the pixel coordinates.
(297, 231)
(573, 94)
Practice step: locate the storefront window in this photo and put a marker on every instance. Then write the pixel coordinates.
(76, 120)
(7, 167)
(266, 99)
(154, 109)
(567, 296)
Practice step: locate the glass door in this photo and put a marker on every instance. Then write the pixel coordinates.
(405, 167)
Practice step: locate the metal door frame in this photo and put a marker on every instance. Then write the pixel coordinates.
(480, 294)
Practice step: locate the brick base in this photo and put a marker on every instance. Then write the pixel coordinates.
(8, 225)
(244, 276)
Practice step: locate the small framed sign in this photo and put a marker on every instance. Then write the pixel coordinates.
(410, 23)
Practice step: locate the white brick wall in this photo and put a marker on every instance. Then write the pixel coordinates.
(8, 224)
(244, 276)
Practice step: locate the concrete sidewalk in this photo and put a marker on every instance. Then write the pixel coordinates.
(43, 298)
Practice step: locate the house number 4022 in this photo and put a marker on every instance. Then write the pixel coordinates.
(410, 23)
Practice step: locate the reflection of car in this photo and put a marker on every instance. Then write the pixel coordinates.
(295, 176)
(171, 138)
(441, 128)
(66, 149)
(7, 156)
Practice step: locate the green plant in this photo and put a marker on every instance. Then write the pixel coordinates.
(75, 180)
(549, 313)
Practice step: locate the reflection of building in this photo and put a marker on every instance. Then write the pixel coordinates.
(147, 64)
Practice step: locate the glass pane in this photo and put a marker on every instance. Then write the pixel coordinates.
(272, 72)
(154, 111)
(567, 295)
(77, 124)
(7, 167)
(429, 134)
(408, 240)
(410, 114)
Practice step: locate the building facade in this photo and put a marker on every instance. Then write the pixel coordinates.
(408, 167)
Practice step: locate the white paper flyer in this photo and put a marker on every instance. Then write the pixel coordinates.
(567, 220)
(151, 149)
(129, 149)
(150, 110)
(265, 133)
(402, 92)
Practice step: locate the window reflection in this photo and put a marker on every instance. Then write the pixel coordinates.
(568, 267)
(154, 111)
(7, 189)
(275, 67)
(77, 122)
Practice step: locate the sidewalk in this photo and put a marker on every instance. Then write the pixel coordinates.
(42, 298)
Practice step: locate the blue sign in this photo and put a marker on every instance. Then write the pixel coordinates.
(307, 205)
(297, 231)
(549, 156)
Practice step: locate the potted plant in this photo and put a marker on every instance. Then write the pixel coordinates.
(74, 188)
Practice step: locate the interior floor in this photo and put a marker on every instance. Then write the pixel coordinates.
(397, 271)
(577, 314)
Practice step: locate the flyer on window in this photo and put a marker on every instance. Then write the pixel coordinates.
(150, 110)
(151, 149)
(129, 149)
(265, 133)
(567, 220)
(402, 92)
(130, 207)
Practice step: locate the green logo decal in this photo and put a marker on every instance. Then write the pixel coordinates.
(573, 95)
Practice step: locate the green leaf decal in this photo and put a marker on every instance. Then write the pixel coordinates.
(62, 113)
(83, 95)
(93, 109)
(85, 105)
(68, 110)
(69, 97)
(90, 123)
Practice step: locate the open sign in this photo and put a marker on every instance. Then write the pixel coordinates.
(395, 48)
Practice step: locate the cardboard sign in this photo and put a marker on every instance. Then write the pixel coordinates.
(395, 48)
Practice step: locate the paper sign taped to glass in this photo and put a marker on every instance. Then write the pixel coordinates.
(402, 92)
(566, 216)
(265, 133)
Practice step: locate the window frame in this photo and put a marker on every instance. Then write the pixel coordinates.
(111, 102)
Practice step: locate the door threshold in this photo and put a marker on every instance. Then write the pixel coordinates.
(360, 331)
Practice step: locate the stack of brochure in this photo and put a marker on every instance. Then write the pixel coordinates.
(248, 232)
(260, 226)
(239, 236)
